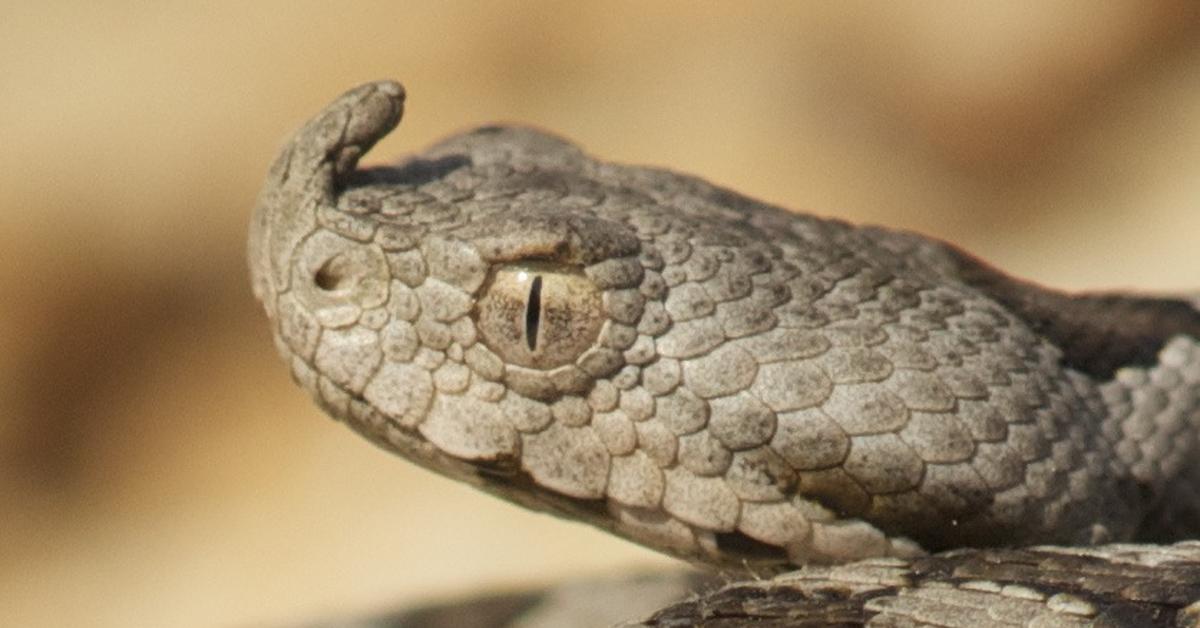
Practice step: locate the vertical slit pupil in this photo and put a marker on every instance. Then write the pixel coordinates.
(533, 313)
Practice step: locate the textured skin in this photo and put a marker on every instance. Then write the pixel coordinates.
(1137, 586)
(763, 388)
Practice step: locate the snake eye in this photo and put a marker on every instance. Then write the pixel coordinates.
(539, 315)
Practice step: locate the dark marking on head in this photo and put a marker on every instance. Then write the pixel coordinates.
(411, 172)
(1098, 333)
(1102, 333)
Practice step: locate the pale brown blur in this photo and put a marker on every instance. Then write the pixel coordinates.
(157, 466)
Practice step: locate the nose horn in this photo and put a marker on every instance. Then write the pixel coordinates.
(329, 145)
(306, 175)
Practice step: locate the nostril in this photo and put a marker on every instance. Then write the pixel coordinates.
(331, 276)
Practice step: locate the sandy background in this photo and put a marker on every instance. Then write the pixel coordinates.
(157, 466)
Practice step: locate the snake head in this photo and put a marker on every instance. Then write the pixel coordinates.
(696, 371)
(460, 308)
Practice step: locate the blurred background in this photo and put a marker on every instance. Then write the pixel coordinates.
(158, 467)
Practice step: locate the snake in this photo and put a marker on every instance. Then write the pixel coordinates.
(866, 423)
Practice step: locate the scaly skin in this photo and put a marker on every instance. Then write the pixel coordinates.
(705, 374)
(1138, 586)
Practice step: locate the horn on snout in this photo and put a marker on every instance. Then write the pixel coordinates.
(307, 173)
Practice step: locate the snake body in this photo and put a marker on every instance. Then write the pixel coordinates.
(708, 375)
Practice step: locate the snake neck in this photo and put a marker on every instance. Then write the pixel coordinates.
(1144, 354)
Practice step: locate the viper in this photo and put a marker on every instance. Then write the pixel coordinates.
(726, 381)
